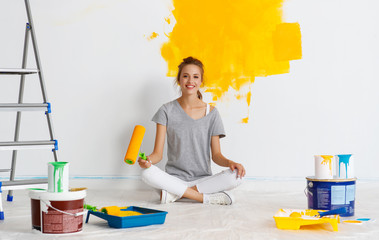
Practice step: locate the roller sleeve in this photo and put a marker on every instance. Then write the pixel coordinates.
(135, 144)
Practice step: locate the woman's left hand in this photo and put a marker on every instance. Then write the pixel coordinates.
(240, 169)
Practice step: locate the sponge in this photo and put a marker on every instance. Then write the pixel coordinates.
(135, 144)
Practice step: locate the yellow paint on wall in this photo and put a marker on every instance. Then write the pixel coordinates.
(248, 98)
(287, 41)
(245, 120)
(237, 41)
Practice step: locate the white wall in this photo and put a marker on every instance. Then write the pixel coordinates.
(103, 77)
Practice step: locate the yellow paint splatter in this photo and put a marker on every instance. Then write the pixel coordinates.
(236, 41)
(352, 221)
(245, 120)
(327, 161)
(152, 36)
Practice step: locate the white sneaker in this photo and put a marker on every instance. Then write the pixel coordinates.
(220, 198)
(167, 197)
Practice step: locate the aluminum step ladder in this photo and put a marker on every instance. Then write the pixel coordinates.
(19, 107)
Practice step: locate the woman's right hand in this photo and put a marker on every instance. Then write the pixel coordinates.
(144, 163)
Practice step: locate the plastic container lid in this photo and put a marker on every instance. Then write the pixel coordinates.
(53, 196)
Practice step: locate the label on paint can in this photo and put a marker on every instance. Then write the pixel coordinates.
(350, 193)
(323, 199)
(338, 194)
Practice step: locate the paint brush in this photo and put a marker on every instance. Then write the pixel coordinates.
(332, 212)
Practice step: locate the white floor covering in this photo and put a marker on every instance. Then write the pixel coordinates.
(251, 217)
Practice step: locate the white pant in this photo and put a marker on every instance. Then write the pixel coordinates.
(223, 181)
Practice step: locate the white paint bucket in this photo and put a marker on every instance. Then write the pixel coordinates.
(57, 213)
(58, 176)
(345, 166)
(324, 166)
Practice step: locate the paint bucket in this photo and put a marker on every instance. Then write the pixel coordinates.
(345, 166)
(324, 166)
(57, 176)
(330, 194)
(57, 213)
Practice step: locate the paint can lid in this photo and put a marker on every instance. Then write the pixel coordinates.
(56, 196)
(314, 179)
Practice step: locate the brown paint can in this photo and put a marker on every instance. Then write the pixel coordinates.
(57, 213)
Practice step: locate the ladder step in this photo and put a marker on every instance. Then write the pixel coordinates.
(18, 71)
(27, 145)
(23, 184)
(24, 106)
(5, 170)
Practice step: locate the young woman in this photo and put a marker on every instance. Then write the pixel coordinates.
(193, 129)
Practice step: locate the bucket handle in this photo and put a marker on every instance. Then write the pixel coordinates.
(56, 209)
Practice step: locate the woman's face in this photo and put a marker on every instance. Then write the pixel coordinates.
(190, 79)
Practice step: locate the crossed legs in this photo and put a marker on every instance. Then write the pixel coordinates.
(195, 190)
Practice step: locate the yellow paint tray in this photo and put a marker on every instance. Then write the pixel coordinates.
(295, 218)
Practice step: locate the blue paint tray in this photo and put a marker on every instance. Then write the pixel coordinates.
(148, 217)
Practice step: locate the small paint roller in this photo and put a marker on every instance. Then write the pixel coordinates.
(134, 144)
(338, 211)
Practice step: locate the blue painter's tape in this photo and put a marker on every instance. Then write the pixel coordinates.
(1, 215)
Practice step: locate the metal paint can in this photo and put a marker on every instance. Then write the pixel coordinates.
(324, 166)
(345, 166)
(58, 176)
(330, 194)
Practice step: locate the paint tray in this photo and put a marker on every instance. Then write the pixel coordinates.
(148, 217)
(295, 218)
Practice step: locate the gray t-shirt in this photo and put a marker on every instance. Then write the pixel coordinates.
(188, 140)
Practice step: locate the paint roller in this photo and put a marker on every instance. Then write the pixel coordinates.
(134, 144)
(119, 211)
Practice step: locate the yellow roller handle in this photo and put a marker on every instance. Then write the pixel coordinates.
(135, 144)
